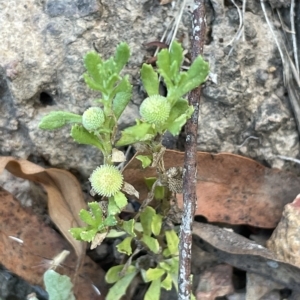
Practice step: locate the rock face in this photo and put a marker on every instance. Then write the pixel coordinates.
(41, 56)
(244, 109)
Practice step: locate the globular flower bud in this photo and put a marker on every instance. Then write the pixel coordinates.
(93, 118)
(106, 180)
(155, 109)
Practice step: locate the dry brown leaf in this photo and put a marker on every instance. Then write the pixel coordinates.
(65, 197)
(245, 254)
(230, 188)
(40, 244)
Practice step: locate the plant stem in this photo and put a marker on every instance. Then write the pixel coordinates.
(190, 164)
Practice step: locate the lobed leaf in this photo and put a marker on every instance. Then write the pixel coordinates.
(121, 56)
(119, 288)
(58, 119)
(176, 56)
(150, 80)
(167, 282)
(128, 226)
(125, 246)
(82, 136)
(136, 133)
(153, 292)
(92, 60)
(88, 234)
(163, 63)
(151, 243)
(146, 218)
(156, 224)
(96, 210)
(59, 287)
(172, 241)
(86, 217)
(145, 159)
(154, 274)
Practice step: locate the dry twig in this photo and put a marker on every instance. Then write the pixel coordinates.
(190, 165)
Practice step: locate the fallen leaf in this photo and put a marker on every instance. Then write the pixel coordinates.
(245, 254)
(27, 247)
(65, 198)
(230, 188)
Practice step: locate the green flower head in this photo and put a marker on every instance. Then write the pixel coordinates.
(93, 118)
(106, 180)
(155, 109)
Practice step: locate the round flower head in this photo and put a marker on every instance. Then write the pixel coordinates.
(155, 109)
(106, 180)
(93, 118)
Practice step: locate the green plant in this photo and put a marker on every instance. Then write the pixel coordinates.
(150, 244)
(59, 287)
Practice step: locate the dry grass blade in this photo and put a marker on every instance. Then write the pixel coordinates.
(292, 17)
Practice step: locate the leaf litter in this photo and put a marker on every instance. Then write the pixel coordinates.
(28, 246)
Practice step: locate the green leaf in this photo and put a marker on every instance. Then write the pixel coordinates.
(96, 210)
(150, 80)
(125, 246)
(156, 224)
(119, 289)
(58, 119)
(128, 226)
(107, 68)
(92, 84)
(92, 60)
(120, 102)
(110, 221)
(151, 243)
(176, 125)
(196, 75)
(172, 241)
(163, 62)
(159, 191)
(86, 217)
(166, 252)
(113, 233)
(112, 274)
(153, 293)
(136, 133)
(175, 281)
(76, 232)
(59, 287)
(176, 55)
(153, 274)
(88, 235)
(174, 263)
(181, 107)
(167, 282)
(124, 86)
(120, 200)
(82, 136)
(165, 266)
(111, 81)
(112, 208)
(145, 159)
(122, 56)
(146, 218)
